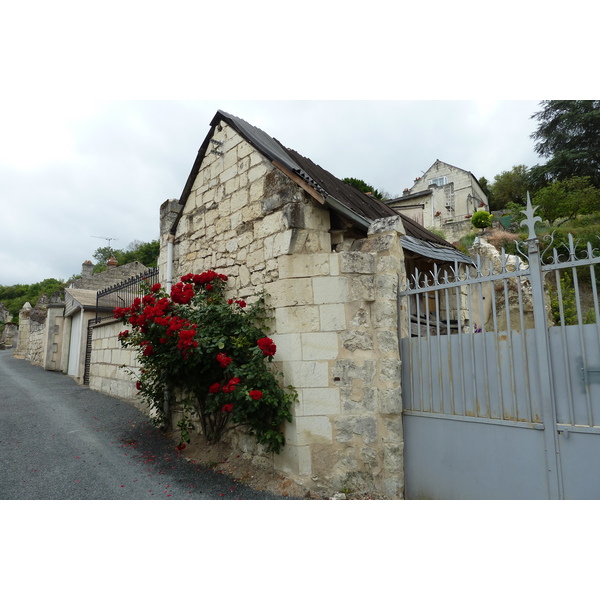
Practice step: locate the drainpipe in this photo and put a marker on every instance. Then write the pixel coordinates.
(170, 240)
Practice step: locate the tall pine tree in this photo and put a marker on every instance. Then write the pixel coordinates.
(568, 134)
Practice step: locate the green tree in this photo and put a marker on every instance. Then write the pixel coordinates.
(144, 252)
(510, 186)
(364, 187)
(484, 184)
(568, 134)
(482, 219)
(14, 296)
(566, 199)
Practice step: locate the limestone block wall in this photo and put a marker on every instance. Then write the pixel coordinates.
(23, 339)
(335, 314)
(113, 275)
(339, 348)
(32, 330)
(35, 344)
(110, 364)
(53, 338)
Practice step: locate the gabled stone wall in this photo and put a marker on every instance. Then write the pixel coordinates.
(335, 314)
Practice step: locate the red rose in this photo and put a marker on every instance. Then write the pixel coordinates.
(138, 385)
(214, 388)
(255, 394)
(227, 408)
(267, 346)
(223, 359)
(120, 313)
(148, 350)
(155, 287)
(230, 301)
(241, 303)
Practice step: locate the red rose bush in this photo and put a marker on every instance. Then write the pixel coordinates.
(209, 354)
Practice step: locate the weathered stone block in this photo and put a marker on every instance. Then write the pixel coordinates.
(390, 370)
(360, 317)
(357, 340)
(357, 262)
(289, 292)
(390, 401)
(269, 225)
(332, 317)
(303, 265)
(239, 199)
(393, 457)
(288, 346)
(319, 346)
(346, 371)
(363, 426)
(309, 430)
(386, 224)
(386, 286)
(358, 398)
(330, 290)
(297, 319)
(387, 342)
(385, 315)
(306, 374)
(393, 429)
(294, 459)
(362, 288)
(256, 172)
(320, 401)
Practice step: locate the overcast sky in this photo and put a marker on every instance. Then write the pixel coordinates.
(83, 158)
(74, 172)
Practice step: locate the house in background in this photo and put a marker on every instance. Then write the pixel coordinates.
(54, 333)
(443, 199)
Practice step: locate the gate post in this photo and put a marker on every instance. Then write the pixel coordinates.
(547, 401)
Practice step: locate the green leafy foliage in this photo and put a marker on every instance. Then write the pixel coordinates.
(510, 186)
(144, 252)
(566, 199)
(568, 134)
(482, 219)
(14, 296)
(210, 353)
(564, 299)
(364, 187)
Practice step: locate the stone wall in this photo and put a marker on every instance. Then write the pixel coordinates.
(335, 314)
(111, 366)
(113, 275)
(8, 330)
(32, 328)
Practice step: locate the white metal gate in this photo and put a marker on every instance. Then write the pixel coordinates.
(501, 399)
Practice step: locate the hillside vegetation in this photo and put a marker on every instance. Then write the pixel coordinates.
(15, 296)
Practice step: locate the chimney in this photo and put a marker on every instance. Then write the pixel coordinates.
(87, 269)
(405, 192)
(112, 262)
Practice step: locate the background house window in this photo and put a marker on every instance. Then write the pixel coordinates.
(439, 181)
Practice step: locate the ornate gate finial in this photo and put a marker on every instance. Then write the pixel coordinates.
(531, 220)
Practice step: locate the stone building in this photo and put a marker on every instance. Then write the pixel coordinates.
(53, 334)
(330, 259)
(443, 199)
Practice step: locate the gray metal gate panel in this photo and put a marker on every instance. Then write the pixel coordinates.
(505, 407)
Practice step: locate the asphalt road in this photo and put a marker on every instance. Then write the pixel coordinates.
(62, 441)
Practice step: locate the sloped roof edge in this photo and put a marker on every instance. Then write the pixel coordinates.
(336, 193)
